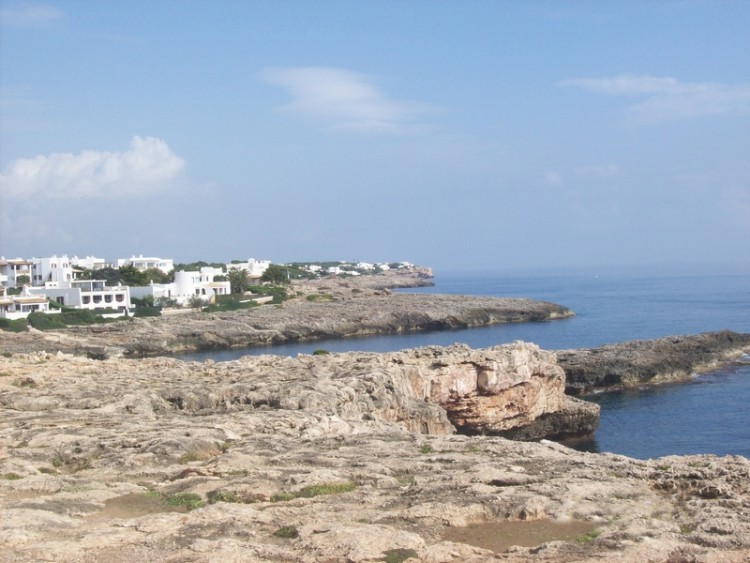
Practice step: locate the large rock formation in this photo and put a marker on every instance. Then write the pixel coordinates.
(269, 459)
(641, 362)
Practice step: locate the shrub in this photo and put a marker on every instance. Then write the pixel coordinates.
(398, 555)
(147, 311)
(321, 352)
(316, 490)
(289, 532)
(189, 501)
(18, 325)
(79, 317)
(43, 321)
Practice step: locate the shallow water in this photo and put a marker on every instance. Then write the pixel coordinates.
(499, 536)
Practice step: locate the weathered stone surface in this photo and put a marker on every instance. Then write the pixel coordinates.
(299, 465)
(642, 362)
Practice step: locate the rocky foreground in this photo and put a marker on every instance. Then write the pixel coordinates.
(349, 457)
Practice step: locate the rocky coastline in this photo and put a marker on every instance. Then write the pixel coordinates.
(111, 454)
(342, 313)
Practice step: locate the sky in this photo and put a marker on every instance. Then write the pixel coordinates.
(459, 135)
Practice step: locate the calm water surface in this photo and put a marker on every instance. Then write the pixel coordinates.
(710, 414)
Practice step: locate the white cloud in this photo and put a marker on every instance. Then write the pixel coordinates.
(147, 166)
(343, 99)
(29, 14)
(667, 98)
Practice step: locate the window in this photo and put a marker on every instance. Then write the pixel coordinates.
(86, 299)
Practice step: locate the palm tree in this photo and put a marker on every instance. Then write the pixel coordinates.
(239, 280)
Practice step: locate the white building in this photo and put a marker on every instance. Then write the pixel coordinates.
(187, 285)
(255, 268)
(90, 262)
(12, 269)
(55, 271)
(89, 294)
(142, 263)
(19, 306)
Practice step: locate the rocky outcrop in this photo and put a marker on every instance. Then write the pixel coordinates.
(641, 362)
(343, 313)
(274, 459)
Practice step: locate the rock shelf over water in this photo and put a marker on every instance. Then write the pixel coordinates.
(643, 362)
(346, 457)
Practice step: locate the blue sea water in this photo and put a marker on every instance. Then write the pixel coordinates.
(709, 414)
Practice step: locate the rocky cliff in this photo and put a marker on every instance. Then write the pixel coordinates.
(316, 459)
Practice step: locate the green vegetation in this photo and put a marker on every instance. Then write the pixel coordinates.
(223, 496)
(316, 490)
(230, 303)
(320, 297)
(287, 532)
(279, 294)
(189, 501)
(43, 321)
(426, 449)
(12, 476)
(18, 325)
(398, 555)
(320, 352)
(589, 536)
(239, 280)
(277, 274)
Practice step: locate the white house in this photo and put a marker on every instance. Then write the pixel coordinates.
(142, 263)
(90, 262)
(255, 268)
(88, 294)
(55, 271)
(19, 306)
(12, 269)
(187, 285)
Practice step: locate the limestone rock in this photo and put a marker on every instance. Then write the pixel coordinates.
(641, 362)
(310, 460)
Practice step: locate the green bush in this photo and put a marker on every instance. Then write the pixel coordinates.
(79, 317)
(146, 311)
(287, 532)
(43, 321)
(189, 501)
(230, 303)
(18, 325)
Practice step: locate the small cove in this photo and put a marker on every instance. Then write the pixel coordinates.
(703, 415)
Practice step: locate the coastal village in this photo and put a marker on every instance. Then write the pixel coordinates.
(45, 285)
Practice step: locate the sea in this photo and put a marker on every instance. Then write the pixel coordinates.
(709, 414)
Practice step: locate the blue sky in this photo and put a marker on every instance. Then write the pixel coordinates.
(456, 134)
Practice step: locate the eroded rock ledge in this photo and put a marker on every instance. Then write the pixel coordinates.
(92, 451)
(641, 362)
